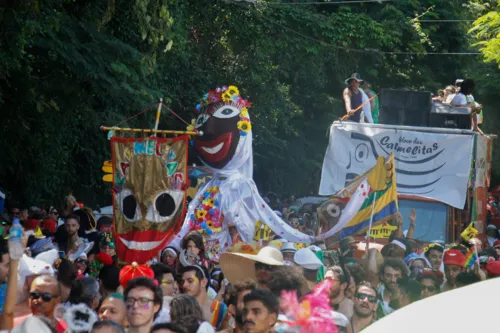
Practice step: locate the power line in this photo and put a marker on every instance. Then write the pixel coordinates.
(368, 50)
(320, 3)
(445, 21)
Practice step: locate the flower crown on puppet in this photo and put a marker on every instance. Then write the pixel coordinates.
(214, 99)
(312, 314)
(134, 270)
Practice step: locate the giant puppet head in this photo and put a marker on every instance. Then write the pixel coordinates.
(226, 143)
(149, 184)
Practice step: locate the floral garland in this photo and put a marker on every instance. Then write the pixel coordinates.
(207, 216)
(433, 245)
(227, 95)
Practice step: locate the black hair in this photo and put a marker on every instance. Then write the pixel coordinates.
(109, 275)
(104, 220)
(286, 278)
(356, 271)
(293, 216)
(66, 272)
(197, 239)
(108, 323)
(84, 290)
(200, 271)
(176, 327)
(72, 217)
(4, 249)
(433, 246)
(430, 276)
(148, 283)
(268, 299)
(411, 288)
(466, 278)
(467, 86)
(159, 269)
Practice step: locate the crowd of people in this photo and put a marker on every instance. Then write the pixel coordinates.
(460, 95)
(69, 279)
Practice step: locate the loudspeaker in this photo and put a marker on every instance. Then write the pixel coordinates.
(443, 115)
(405, 107)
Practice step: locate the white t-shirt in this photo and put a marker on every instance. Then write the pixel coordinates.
(459, 100)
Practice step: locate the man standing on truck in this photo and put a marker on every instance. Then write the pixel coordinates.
(356, 101)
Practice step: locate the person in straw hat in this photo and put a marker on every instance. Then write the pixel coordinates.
(356, 100)
(239, 266)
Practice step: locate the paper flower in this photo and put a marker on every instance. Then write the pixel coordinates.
(244, 126)
(209, 202)
(200, 214)
(244, 113)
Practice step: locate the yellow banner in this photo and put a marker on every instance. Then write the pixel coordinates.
(382, 231)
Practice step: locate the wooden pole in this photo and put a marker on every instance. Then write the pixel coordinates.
(140, 130)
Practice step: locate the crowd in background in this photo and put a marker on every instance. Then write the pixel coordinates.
(70, 279)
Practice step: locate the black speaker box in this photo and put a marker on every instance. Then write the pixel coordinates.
(443, 115)
(405, 107)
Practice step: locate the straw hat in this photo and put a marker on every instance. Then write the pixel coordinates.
(240, 266)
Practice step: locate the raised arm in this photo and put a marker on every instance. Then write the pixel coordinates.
(347, 100)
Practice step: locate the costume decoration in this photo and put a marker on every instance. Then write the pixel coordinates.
(230, 198)
(150, 176)
(311, 315)
(134, 270)
(79, 318)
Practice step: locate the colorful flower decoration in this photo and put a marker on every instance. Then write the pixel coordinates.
(207, 217)
(230, 96)
(244, 126)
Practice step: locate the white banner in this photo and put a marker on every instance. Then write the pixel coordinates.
(430, 165)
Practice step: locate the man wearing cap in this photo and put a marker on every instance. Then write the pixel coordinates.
(496, 246)
(310, 264)
(347, 248)
(354, 99)
(453, 265)
(258, 267)
(492, 233)
(288, 250)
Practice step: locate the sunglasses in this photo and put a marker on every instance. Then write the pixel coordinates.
(81, 260)
(430, 289)
(260, 266)
(370, 298)
(46, 297)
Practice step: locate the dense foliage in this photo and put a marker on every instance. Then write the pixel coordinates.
(70, 66)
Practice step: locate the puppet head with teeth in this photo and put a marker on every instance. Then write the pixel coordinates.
(149, 199)
(226, 143)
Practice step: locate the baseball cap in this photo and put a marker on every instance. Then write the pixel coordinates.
(454, 257)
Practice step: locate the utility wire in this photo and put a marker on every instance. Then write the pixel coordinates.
(367, 50)
(319, 3)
